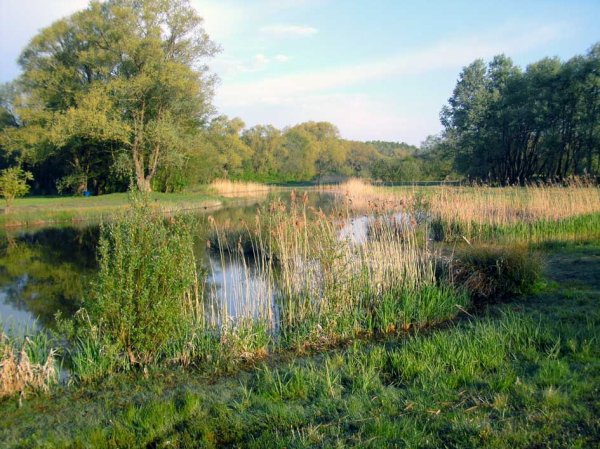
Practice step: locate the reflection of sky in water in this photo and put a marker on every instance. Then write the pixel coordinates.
(357, 229)
(13, 313)
(237, 288)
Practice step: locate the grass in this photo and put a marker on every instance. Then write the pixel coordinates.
(530, 214)
(27, 363)
(31, 211)
(365, 343)
(521, 374)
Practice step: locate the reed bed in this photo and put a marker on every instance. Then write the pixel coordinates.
(327, 288)
(27, 364)
(533, 213)
(297, 283)
(227, 187)
(294, 279)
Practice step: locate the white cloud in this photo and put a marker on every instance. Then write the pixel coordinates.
(289, 30)
(451, 54)
(261, 59)
(223, 18)
(358, 116)
(281, 58)
(316, 94)
(230, 67)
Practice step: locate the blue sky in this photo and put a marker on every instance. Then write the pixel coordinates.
(378, 69)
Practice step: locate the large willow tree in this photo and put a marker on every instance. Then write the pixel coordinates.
(123, 80)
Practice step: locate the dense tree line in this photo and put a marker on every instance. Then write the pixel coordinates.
(120, 92)
(510, 125)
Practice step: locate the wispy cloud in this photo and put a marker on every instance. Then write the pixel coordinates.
(323, 94)
(230, 66)
(442, 55)
(281, 58)
(358, 116)
(289, 30)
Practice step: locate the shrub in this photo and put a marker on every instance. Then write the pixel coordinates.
(146, 287)
(13, 184)
(495, 273)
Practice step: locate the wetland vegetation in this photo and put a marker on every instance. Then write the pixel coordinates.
(172, 278)
(331, 318)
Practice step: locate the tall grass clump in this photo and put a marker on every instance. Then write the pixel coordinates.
(27, 364)
(490, 272)
(145, 297)
(332, 287)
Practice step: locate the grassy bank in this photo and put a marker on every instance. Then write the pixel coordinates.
(519, 374)
(32, 211)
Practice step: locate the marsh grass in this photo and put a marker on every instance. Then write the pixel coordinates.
(294, 283)
(517, 375)
(28, 363)
(326, 289)
(227, 187)
(481, 213)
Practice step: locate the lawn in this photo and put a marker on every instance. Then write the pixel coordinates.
(59, 209)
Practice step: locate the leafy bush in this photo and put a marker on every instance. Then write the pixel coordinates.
(146, 286)
(13, 184)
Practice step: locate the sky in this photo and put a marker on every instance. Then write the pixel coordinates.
(378, 69)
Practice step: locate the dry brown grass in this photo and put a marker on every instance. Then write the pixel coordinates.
(509, 205)
(19, 375)
(360, 196)
(479, 204)
(226, 187)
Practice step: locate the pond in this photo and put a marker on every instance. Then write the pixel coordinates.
(48, 270)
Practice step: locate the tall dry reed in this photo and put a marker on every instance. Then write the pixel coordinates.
(227, 187)
(20, 372)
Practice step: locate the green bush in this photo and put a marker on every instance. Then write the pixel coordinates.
(142, 298)
(495, 273)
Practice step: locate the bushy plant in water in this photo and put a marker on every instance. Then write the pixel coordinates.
(145, 295)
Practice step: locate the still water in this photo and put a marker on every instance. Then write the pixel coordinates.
(48, 270)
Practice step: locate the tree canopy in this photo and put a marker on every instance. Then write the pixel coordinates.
(511, 125)
(121, 91)
(120, 79)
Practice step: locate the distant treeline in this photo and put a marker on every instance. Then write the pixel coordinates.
(509, 125)
(120, 92)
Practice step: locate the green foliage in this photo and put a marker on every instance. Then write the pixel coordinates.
(507, 125)
(141, 300)
(118, 76)
(393, 149)
(13, 184)
(519, 377)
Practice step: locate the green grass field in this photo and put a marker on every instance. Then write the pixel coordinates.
(32, 211)
(522, 374)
